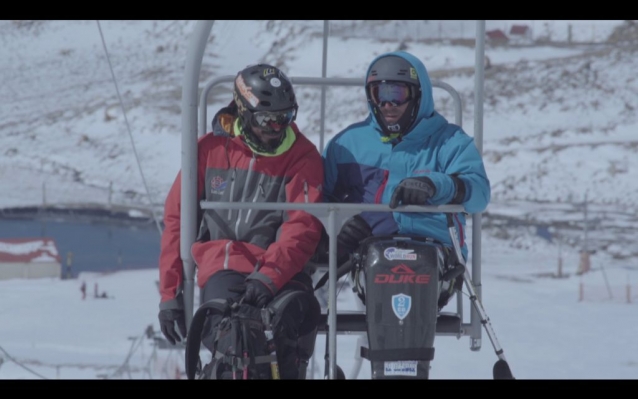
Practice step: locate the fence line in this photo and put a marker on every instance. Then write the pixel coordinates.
(603, 293)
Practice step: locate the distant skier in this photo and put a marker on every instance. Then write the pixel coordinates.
(83, 290)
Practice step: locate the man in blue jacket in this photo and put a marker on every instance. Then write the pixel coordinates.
(403, 153)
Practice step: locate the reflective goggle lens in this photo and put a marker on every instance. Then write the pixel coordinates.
(389, 92)
(274, 120)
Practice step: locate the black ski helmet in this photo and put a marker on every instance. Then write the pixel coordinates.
(260, 88)
(393, 68)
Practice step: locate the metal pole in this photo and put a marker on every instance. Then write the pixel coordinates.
(324, 68)
(188, 218)
(332, 294)
(586, 239)
(611, 295)
(560, 255)
(475, 337)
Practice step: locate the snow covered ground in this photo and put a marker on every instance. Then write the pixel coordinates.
(47, 331)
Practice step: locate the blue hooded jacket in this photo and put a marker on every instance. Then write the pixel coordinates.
(360, 167)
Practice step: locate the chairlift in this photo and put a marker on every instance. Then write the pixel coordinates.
(194, 124)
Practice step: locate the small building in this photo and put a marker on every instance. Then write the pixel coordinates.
(520, 33)
(28, 258)
(496, 37)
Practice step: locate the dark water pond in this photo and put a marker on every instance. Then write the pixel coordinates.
(93, 240)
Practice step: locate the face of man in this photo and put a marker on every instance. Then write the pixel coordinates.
(270, 126)
(270, 138)
(392, 98)
(392, 113)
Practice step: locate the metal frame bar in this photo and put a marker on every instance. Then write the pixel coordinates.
(323, 82)
(332, 212)
(188, 222)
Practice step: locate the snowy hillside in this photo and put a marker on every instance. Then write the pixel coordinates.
(558, 119)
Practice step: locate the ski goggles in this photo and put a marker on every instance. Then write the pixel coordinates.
(393, 93)
(274, 120)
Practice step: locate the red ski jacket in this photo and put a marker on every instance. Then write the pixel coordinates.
(272, 246)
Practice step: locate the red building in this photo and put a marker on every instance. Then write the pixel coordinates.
(521, 33)
(496, 36)
(29, 258)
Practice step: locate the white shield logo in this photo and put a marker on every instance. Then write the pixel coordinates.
(401, 305)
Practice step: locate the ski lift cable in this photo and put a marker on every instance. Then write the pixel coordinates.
(128, 128)
(21, 365)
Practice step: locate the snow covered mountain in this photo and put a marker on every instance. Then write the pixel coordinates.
(559, 117)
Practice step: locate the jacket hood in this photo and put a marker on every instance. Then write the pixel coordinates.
(222, 123)
(426, 108)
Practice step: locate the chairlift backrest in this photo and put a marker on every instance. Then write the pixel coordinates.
(323, 82)
(191, 128)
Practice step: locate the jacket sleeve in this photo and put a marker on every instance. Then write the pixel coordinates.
(170, 261)
(300, 232)
(460, 158)
(330, 173)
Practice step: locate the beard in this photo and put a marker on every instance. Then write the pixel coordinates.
(273, 143)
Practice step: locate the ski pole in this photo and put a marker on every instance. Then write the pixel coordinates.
(270, 342)
(326, 366)
(501, 368)
(244, 331)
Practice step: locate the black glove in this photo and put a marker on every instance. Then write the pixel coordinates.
(352, 232)
(257, 294)
(321, 252)
(413, 191)
(167, 319)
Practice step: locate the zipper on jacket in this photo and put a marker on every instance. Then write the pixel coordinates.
(232, 189)
(260, 190)
(249, 176)
(379, 194)
(305, 190)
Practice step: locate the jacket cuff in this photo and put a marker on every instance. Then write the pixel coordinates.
(267, 281)
(459, 192)
(176, 303)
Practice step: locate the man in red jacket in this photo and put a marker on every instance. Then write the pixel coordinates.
(255, 153)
